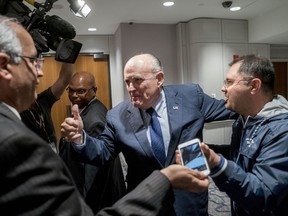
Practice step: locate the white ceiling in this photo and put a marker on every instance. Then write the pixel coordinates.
(106, 15)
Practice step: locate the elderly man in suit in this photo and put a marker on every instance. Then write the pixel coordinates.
(181, 111)
(33, 179)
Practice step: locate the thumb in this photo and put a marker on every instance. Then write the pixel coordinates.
(75, 112)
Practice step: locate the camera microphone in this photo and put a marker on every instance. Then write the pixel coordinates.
(54, 24)
(59, 27)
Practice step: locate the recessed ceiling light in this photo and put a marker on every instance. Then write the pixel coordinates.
(235, 8)
(168, 4)
(92, 29)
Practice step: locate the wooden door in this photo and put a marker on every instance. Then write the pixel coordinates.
(100, 69)
(281, 78)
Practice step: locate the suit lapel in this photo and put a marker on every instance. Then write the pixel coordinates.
(136, 122)
(174, 105)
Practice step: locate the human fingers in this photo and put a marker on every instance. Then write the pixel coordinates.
(178, 158)
(69, 125)
(213, 159)
(75, 112)
(184, 178)
(193, 181)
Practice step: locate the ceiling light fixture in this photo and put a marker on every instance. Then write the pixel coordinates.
(168, 3)
(92, 29)
(79, 8)
(235, 8)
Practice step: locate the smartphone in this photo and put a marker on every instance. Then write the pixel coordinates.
(193, 157)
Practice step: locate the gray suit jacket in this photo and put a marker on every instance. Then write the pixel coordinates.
(33, 179)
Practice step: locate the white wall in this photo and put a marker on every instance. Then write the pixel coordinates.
(130, 40)
(163, 41)
(269, 26)
(157, 39)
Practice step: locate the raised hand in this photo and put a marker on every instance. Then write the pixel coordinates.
(213, 159)
(71, 128)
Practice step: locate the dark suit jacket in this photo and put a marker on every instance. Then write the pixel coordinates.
(100, 186)
(34, 180)
(188, 109)
(152, 197)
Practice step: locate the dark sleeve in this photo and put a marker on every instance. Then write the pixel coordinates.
(35, 180)
(213, 109)
(46, 98)
(153, 196)
(95, 129)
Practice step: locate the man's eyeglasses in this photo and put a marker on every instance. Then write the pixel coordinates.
(39, 61)
(81, 92)
(227, 82)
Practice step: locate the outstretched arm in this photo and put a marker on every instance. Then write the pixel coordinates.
(154, 195)
(63, 79)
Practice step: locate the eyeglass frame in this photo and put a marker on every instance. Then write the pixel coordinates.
(71, 91)
(226, 84)
(38, 60)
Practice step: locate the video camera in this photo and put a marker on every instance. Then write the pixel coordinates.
(48, 32)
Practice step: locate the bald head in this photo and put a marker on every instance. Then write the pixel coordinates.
(82, 88)
(85, 77)
(144, 61)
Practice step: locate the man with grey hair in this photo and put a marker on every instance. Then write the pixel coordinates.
(33, 179)
(181, 111)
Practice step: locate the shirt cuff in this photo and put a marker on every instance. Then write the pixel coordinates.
(80, 146)
(220, 167)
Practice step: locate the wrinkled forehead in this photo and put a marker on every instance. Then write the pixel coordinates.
(137, 67)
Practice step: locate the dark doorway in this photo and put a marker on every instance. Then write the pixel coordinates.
(281, 78)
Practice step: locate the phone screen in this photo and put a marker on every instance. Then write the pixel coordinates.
(192, 157)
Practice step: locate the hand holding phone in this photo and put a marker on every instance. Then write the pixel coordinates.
(193, 157)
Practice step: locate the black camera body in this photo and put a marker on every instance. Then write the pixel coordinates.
(48, 32)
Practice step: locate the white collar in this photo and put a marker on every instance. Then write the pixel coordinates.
(12, 109)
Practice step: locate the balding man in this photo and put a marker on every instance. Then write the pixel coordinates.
(181, 111)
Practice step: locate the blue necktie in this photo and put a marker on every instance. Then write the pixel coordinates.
(157, 143)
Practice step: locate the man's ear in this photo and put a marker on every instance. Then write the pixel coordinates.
(256, 85)
(160, 77)
(4, 61)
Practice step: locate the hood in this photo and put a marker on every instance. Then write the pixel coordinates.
(277, 106)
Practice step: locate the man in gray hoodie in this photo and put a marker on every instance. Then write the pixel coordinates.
(256, 177)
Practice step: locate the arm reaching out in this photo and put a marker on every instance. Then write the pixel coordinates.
(63, 80)
(187, 179)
